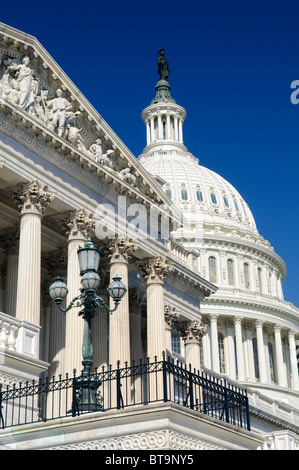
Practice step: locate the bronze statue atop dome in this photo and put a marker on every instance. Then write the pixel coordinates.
(163, 70)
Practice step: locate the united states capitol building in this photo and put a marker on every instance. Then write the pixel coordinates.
(184, 340)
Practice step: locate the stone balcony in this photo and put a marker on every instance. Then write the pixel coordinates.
(19, 350)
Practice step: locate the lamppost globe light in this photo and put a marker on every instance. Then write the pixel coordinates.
(58, 290)
(89, 257)
(90, 280)
(116, 289)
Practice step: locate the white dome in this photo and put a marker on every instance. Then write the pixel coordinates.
(203, 196)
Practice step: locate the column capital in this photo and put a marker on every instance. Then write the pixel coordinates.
(238, 319)
(191, 330)
(10, 238)
(259, 323)
(32, 197)
(121, 249)
(213, 317)
(155, 269)
(171, 315)
(137, 298)
(55, 262)
(77, 224)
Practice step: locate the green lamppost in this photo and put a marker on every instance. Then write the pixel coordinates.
(89, 257)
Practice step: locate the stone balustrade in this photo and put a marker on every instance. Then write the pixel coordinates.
(182, 255)
(18, 336)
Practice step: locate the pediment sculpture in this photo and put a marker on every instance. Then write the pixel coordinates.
(20, 86)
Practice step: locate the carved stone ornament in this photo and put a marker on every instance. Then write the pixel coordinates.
(32, 197)
(77, 224)
(21, 87)
(121, 248)
(191, 330)
(155, 269)
(171, 315)
(127, 176)
(55, 262)
(9, 239)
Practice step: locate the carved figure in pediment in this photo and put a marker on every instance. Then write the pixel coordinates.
(97, 154)
(12, 93)
(96, 149)
(58, 108)
(127, 176)
(75, 138)
(24, 77)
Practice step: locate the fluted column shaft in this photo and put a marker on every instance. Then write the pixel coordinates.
(32, 199)
(293, 360)
(11, 283)
(9, 238)
(119, 326)
(239, 348)
(192, 332)
(79, 225)
(119, 323)
(74, 323)
(214, 343)
(154, 271)
(279, 356)
(261, 351)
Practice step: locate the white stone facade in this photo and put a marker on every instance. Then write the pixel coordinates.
(65, 176)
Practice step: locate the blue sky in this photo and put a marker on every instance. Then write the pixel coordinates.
(232, 63)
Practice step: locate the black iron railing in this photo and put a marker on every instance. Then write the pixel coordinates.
(138, 384)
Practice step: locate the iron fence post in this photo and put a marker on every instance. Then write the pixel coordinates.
(75, 407)
(1, 415)
(247, 413)
(191, 390)
(118, 392)
(226, 407)
(165, 381)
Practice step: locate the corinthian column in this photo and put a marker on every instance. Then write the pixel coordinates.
(154, 271)
(33, 198)
(119, 324)
(56, 263)
(9, 238)
(79, 226)
(192, 331)
(171, 317)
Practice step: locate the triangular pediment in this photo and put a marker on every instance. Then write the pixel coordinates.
(36, 94)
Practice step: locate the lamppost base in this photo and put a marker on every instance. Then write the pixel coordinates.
(88, 399)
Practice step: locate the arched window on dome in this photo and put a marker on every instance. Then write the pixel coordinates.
(255, 358)
(168, 193)
(199, 195)
(230, 272)
(246, 276)
(184, 194)
(221, 353)
(213, 198)
(225, 200)
(236, 206)
(271, 362)
(212, 269)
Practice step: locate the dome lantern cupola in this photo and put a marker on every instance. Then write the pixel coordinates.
(163, 118)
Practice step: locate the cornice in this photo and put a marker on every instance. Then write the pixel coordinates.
(16, 44)
(260, 302)
(251, 248)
